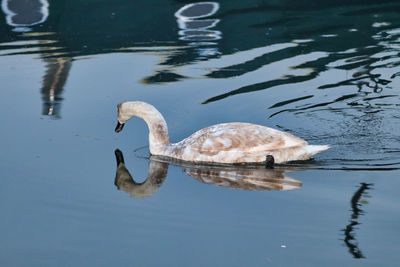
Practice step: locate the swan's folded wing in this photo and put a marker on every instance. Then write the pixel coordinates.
(244, 137)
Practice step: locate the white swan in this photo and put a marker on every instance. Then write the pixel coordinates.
(234, 142)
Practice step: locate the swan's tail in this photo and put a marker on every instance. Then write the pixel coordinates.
(313, 149)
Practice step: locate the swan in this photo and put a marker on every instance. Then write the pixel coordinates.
(235, 142)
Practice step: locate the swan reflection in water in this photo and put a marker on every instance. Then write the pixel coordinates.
(255, 177)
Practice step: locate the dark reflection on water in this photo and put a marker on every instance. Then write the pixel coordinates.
(343, 58)
(57, 70)
(357, 201)
(23, 15)
(125, 182)
(360, 38)
(229, 176)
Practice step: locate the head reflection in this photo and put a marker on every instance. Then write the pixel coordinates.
(229, 176)
(125, 182)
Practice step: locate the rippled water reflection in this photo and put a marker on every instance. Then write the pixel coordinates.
(327, 71)
(234, 177)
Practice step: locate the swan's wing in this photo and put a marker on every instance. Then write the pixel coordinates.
(241, 137)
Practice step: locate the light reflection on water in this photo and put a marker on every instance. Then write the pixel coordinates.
(327, 72)
(22, 14)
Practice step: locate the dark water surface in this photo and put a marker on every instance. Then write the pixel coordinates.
(327, 71)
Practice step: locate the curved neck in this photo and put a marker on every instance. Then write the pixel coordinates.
(158, 130)
(158, 133)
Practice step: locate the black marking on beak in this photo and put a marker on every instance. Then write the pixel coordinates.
(119, 127)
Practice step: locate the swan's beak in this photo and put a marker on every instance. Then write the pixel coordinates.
(119, 127)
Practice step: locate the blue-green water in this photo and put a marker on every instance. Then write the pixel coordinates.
(327, 71)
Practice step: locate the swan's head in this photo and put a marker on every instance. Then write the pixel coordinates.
(129, 109)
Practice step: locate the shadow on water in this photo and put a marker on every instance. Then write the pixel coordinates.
(234, 177)
(349, 232)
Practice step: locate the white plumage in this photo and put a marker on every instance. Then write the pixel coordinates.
(235, 142)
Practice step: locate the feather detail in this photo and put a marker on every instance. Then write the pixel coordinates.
(235, 142)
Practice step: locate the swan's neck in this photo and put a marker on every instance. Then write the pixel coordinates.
(158, 134)
(158, 130)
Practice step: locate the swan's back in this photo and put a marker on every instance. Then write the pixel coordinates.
(238, 136)
(234, 143)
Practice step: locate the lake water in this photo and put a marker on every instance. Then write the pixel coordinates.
(326, 71)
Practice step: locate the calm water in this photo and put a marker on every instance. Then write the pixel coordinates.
(327, 71)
